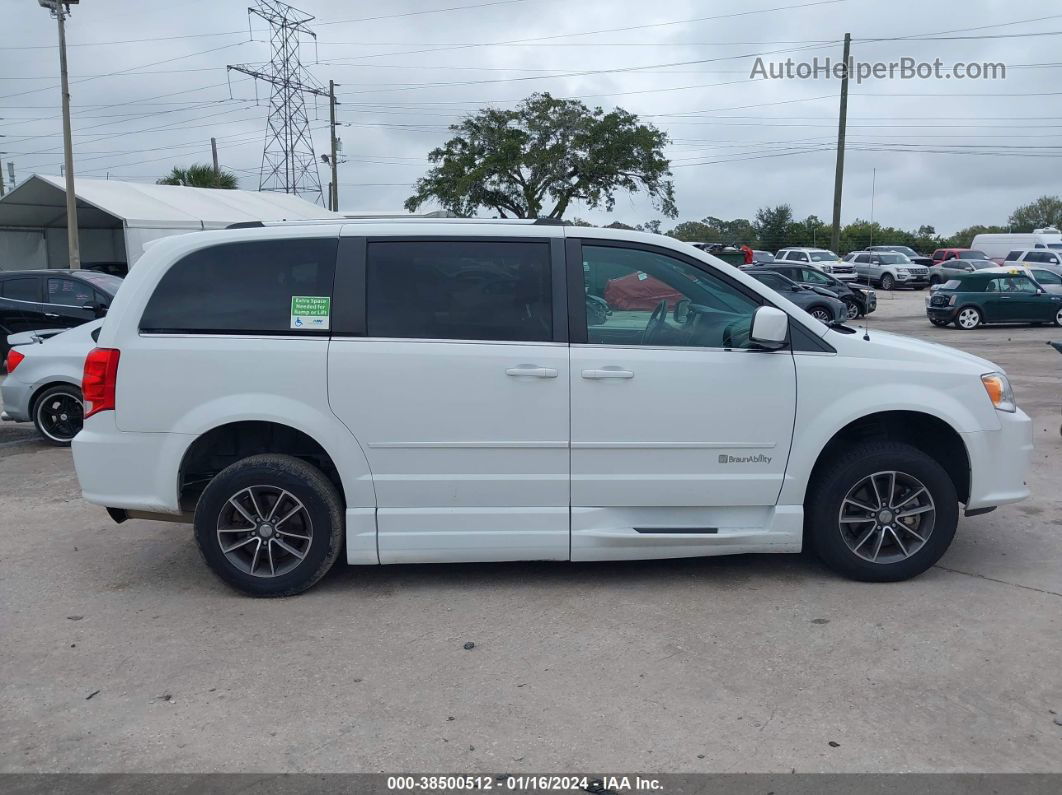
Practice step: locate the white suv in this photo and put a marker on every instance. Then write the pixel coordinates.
(821, 258)
(432, 391)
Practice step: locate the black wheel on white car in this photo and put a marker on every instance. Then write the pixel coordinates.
(969, 318)
(851, 308)
(58, 414)
(881, 512)
(887, 282)
(270, 525)
(821, 314)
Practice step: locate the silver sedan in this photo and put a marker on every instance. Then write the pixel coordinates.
(43, 384)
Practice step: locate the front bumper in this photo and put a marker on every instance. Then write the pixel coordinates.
(943, 314)
(913, 280)
(1000, 461)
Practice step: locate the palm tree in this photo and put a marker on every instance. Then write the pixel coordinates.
(200, 176)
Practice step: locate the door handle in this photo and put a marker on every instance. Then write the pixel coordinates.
(532, 372)
(608, 372)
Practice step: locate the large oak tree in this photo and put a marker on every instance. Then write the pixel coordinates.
(540, 157)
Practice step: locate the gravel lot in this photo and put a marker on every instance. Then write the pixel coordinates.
(121, 652)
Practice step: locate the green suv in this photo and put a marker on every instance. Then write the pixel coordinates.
(993, 295)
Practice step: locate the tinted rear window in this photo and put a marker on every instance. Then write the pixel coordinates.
(244, 288)
(467, 290)
(105, 282)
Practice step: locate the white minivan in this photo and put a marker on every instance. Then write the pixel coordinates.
(446, 390)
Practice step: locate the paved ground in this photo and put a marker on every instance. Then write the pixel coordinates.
(120, 652)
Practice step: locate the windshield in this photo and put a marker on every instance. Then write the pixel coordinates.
(104, 281)
(1054, 245)
(893, 259)
(972, 255)
(951, 284)
(823, 256)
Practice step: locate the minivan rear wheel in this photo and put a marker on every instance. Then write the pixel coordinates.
(270, 525)
(881, 512)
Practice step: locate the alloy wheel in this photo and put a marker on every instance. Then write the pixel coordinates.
(887, 282)
(887, 517)
(969, 318)
(60, 416)
(851, 309)
(821, 315)
(264, 531)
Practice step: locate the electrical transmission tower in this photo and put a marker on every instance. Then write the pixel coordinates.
(288, 162)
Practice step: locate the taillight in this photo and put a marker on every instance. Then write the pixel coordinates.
(100, 379)
(13, 359)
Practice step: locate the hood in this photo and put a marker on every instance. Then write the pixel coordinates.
(822, 290)
(886, 345)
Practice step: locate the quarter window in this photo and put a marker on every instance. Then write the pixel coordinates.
(245, 288)
(639, 297)
(460, 290)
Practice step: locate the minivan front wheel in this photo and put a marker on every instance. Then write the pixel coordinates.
(270, 525)
(881, 512)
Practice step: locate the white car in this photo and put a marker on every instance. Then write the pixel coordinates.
(1045, 266)
(43, 383)
(821, 258)
(432, 391)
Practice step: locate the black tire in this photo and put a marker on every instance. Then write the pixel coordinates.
(968, 318)
(821, 313)
(1058, 318)
(887, 282)
(940, 323)
(58, 414)
(822, 527)
(851, 308)
(323, 520)
(934, 279)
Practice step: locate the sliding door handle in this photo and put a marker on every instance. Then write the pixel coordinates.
(608, 372)
(529, 371)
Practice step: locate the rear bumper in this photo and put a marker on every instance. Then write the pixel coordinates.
(16, 399)
(122, 469)
(1000, 461)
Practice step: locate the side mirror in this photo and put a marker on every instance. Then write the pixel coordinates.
(770, 327)
(682, 311)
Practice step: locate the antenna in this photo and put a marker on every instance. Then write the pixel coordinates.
(288, 160)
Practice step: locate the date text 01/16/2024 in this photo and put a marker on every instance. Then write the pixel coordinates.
(521, 783)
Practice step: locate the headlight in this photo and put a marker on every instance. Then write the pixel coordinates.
(999, 392)
(904, 271)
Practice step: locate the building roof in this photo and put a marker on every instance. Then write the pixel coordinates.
(40, 201)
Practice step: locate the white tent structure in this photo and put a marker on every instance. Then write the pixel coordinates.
(115, 219)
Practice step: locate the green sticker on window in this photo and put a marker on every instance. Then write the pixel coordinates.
(310, 311)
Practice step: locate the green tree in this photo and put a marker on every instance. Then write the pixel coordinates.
(964, 237)
(692, 232)
(200, 176)
(547, 150)
(772, 226)
(1045, 211)
(650, 226)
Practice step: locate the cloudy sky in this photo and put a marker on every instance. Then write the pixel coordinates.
(149, 88)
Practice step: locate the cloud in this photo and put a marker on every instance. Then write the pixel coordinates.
(943, 155)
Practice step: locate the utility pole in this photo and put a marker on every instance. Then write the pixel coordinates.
(838, 179)
(333, 195)
(3, 179)
(60, 9)
(214, 154)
